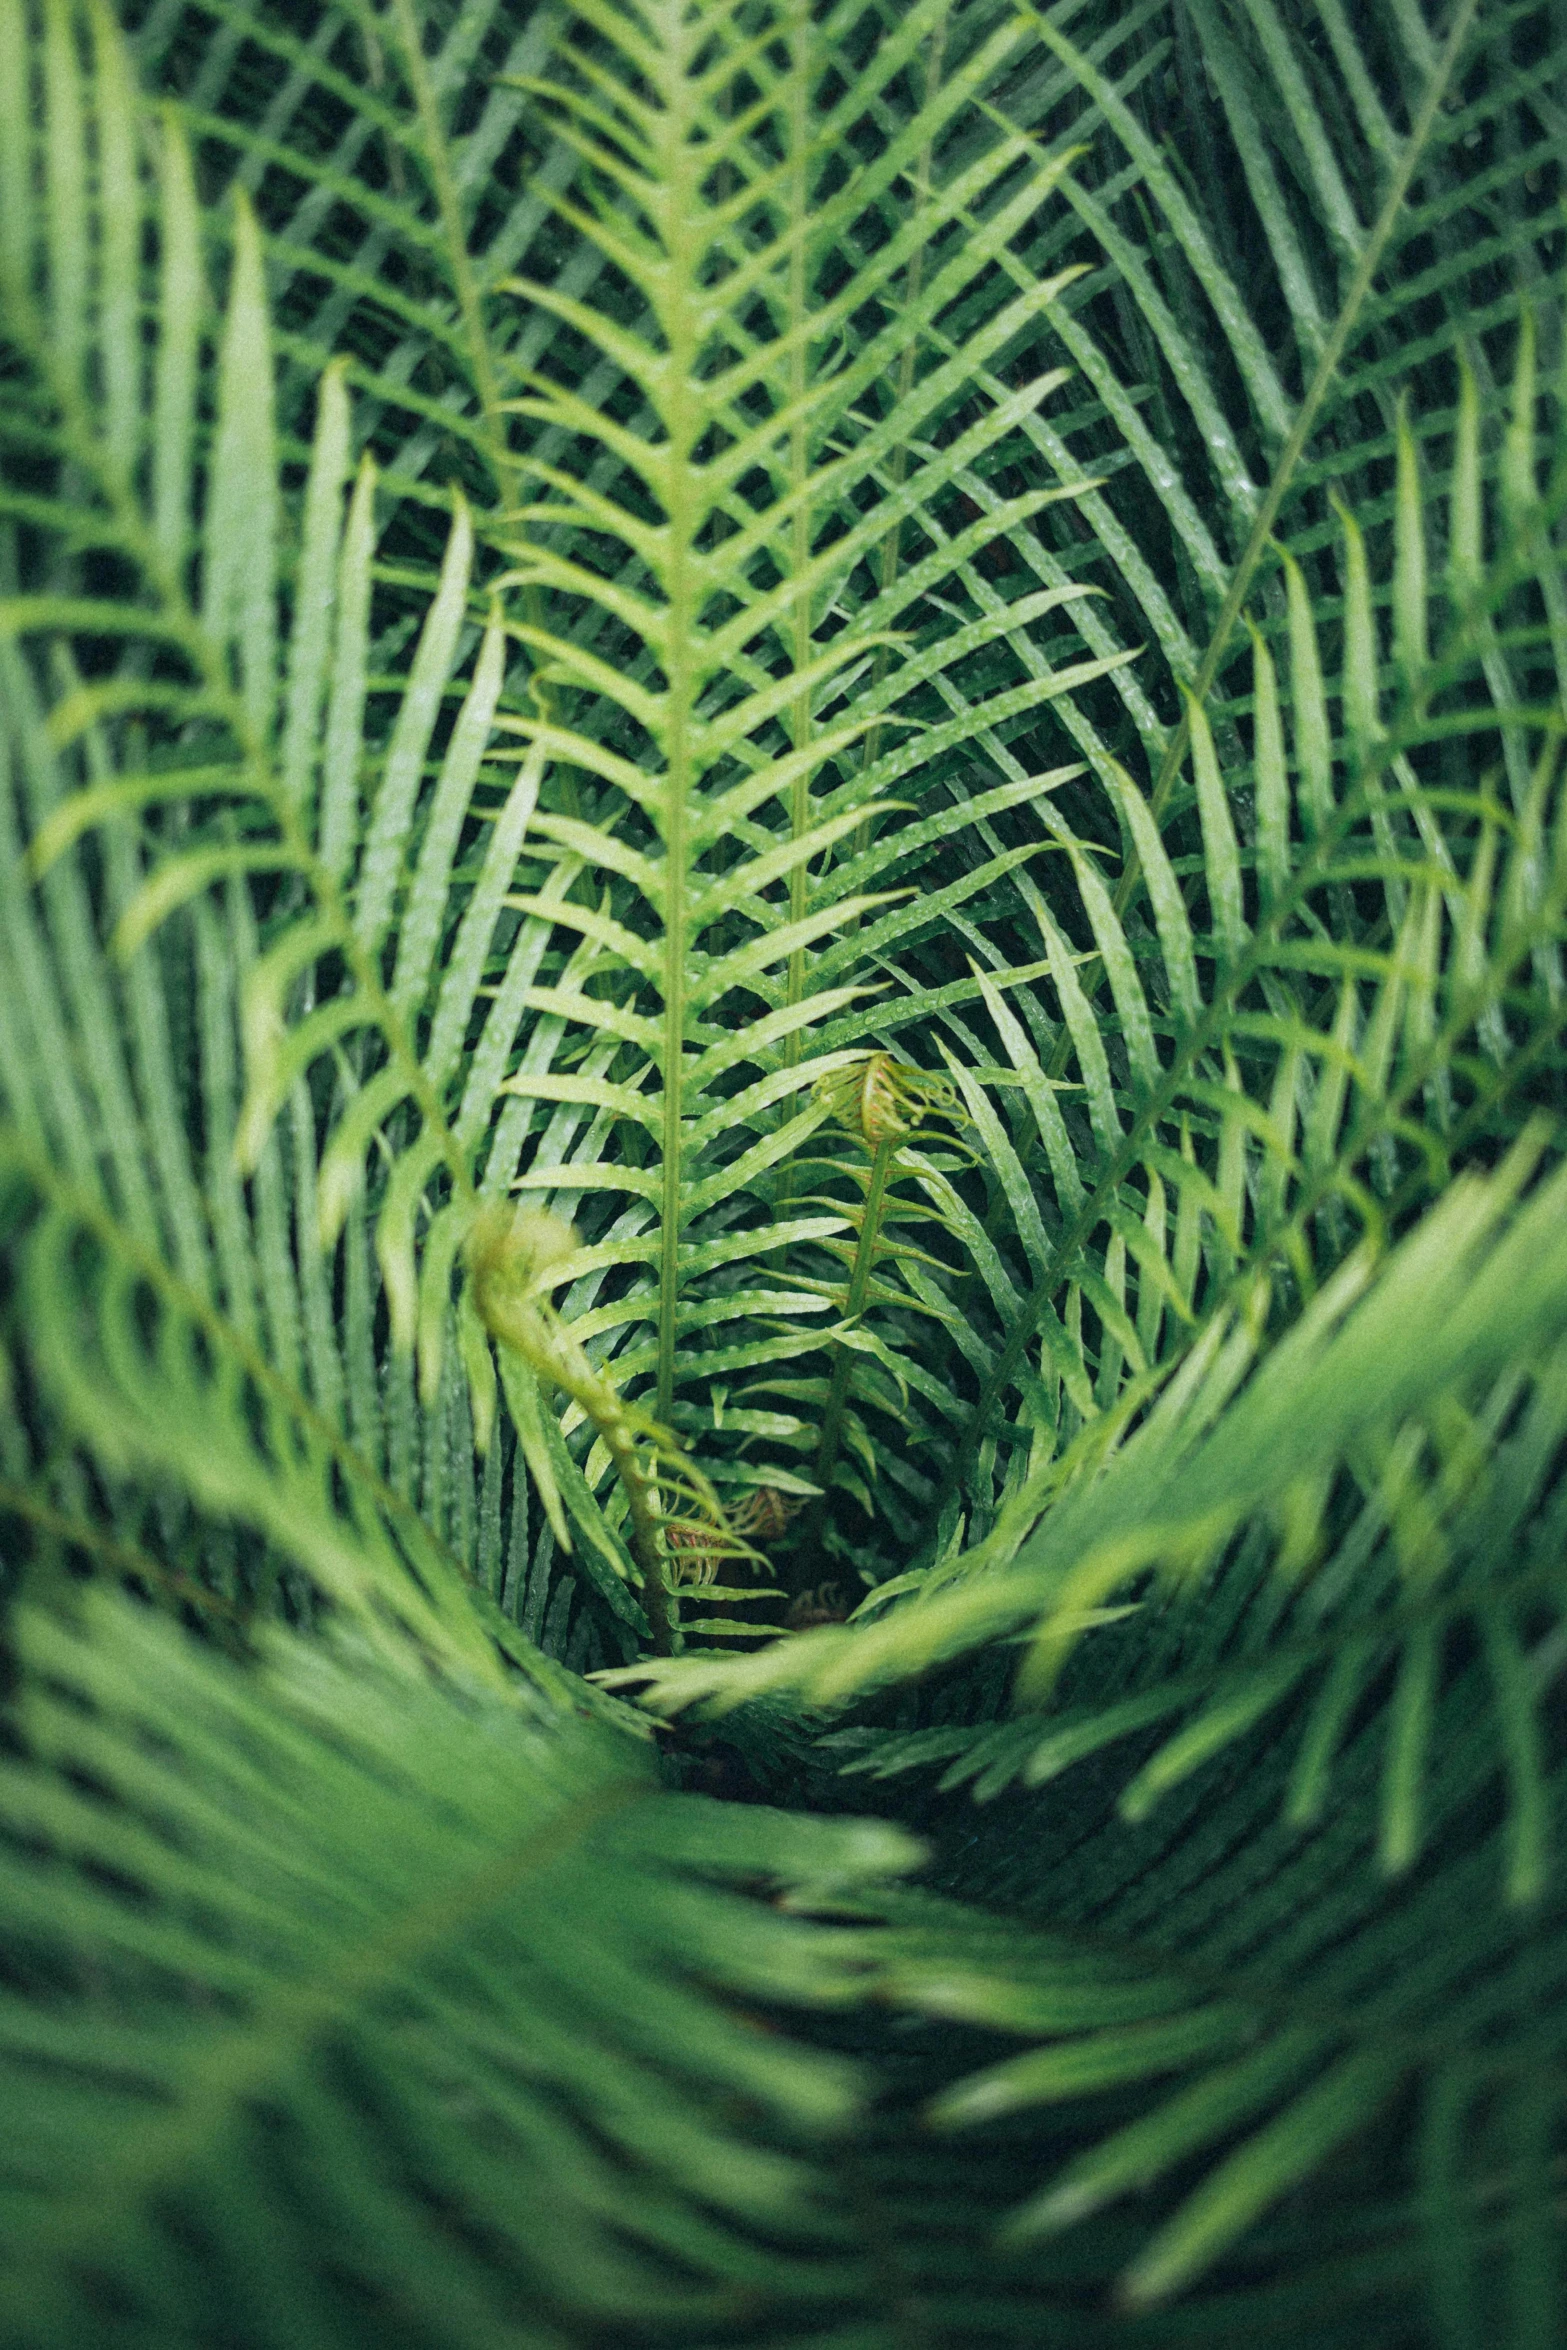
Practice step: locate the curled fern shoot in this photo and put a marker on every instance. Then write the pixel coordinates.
(885, 1104)
(679, 1526)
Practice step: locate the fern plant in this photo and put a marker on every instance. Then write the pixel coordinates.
(784, 848)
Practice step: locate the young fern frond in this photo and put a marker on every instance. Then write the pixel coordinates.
(886, 1105)
(676, 1518)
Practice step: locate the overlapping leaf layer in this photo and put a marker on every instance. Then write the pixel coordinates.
(784, 860)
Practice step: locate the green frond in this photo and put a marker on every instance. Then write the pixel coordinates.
(185, 1334)
(453, 1950)
(780, 791)
(1375, 1371)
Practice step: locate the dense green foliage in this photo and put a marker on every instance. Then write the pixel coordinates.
(782, 1037)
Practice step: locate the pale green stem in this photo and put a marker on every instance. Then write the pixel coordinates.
(605, 1410)
(534, 1334)
(854, 1305)
(638, 1483)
